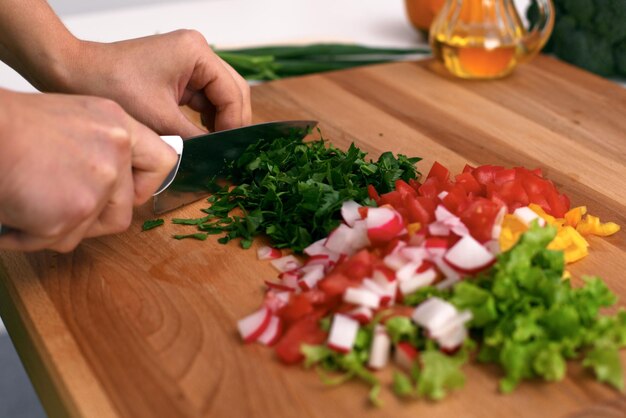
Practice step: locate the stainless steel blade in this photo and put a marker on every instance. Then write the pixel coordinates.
(204, 156)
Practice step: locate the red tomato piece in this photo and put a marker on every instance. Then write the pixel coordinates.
(335, 283)
(468, 169)
(455, 198)
(479, 218)
(468, 182)
(415, 184)
(431, 187)
(404, 188)
(439, 172)
(503, 176)
(298, 306)
(305, 331)
(372, 193)
(485, 173)
(393, 198)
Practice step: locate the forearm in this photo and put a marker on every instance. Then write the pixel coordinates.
(35, 43)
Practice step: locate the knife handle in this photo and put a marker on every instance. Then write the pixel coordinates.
(175, 142)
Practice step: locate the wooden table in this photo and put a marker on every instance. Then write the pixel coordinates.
(141, 325)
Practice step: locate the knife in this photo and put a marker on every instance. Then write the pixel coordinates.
(203, 157)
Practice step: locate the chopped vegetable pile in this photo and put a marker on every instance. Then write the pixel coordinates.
(426, 275)
(292, 191)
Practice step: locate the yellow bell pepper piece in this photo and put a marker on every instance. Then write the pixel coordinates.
(575, 215)
(413, 228)
(591, 225)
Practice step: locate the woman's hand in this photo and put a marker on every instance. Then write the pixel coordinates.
(152, 76)
(72, 167)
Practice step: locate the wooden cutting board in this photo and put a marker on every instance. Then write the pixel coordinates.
(141, 325)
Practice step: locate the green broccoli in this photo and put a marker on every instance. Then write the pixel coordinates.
(589, 33)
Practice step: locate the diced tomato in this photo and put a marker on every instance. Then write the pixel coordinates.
(455, 198)
(359, 266)
(513, 192)
(404, 188)
(540, 200)
(335, 283)
(372, 193)
(305, 331)
(503, 176)
(439, 172)
(299, 306)
(468, 182)
(393, 198)
(468, 169)
(415, 184)
(557, 205)
(431, 187)
(485, 173)
(479, 218)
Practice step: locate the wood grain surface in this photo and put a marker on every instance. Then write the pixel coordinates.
(141, 325)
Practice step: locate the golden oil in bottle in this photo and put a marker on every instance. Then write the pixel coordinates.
(475, 57)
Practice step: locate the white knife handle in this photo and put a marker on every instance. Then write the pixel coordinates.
(175, 142)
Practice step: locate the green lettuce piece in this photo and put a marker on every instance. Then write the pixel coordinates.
(607, 366)
(402, 385)
(439, 373)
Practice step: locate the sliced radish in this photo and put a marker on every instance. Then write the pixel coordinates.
(469, 255)
(340, 240)
(290, 280)
(268, 253)
(342, 333)
(395, 261)
(286, 263)
(359, 235)
(433, 313)
(439, 229)
(383, 274)
(418, 280)
(405, 356)
(408, 270)
(414, 253)
(350, 212)
(496, 229)
(493, 246)
(379, 351)
(453, 338)
(318, 248)
(362, 314)
(373, 286)
(272, 333)
(442, 195)
(447, 283)
(383, 224)
(279, 286)
(310, 278)
(275, 300)
(452, 333)
(361, 297)
(252, 326)
(527, 215)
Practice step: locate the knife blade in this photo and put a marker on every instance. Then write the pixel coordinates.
(203, 157)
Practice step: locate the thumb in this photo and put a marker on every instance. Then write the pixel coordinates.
(177, 123)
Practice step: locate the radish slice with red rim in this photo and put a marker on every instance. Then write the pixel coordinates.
(286, 263)
(252, 326)
(469, 255)
(342, 333)
(268, 253)
(380, 348)
(272, 333)
(350, 212)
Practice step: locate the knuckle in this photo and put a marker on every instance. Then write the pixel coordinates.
(82, 208)
(122, 222)
(192, 37)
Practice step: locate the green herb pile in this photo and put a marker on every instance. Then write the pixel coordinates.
(274, 62)
(526, 319)
(292, 191)
(589, 33)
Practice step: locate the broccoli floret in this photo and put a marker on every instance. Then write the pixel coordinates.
(619, 54)
(588, 33)
(585, 50)
(610, 20)
(581, 10)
